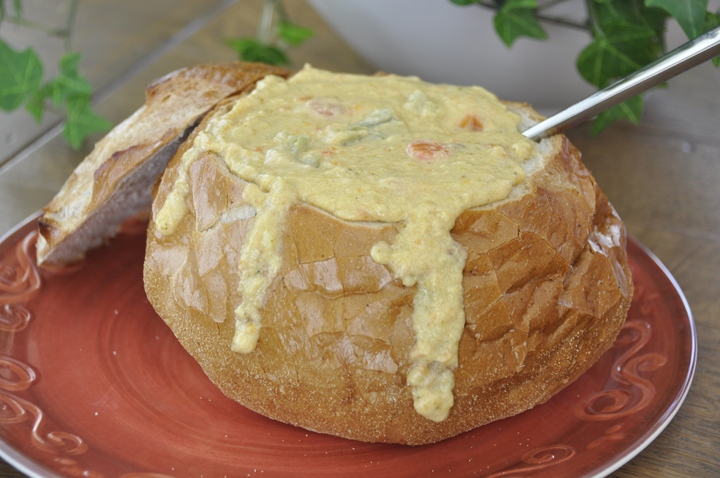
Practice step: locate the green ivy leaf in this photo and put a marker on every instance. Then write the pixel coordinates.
(623, 12)
(600, 61)
(82, 121)
(253, 50)
(616, 11)
(620, 51)
(690, 14)
(69, 82)
(516, 4)
(629, 33)
(630, 110)
(293, 34)
(35, 104)
(655, 18)
(465, 3)
(516, 19)
(20, 74)
(712, 20)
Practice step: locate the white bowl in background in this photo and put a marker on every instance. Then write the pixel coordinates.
(445, 43)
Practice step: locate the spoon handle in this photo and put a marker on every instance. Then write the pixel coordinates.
(686, 56)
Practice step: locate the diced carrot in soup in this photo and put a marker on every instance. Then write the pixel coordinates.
(471, 122)
(427, 150)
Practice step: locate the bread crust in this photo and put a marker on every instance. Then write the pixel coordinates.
(114, 181)
(546, 290)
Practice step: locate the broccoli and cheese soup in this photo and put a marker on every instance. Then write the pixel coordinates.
(380, 148)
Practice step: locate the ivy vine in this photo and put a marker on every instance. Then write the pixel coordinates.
(626, 36)
(22, 78)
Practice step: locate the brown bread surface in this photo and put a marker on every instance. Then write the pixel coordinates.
(546, 291)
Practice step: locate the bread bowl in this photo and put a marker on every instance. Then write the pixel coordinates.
(305, 303)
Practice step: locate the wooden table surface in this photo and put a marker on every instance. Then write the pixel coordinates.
(663, 176)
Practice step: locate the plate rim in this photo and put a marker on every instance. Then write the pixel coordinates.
(33, 469)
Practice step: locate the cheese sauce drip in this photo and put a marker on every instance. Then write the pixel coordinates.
(382, 148)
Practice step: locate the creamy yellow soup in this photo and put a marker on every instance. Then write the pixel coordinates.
(381, 148)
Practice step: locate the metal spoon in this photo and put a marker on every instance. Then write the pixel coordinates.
(692, 53)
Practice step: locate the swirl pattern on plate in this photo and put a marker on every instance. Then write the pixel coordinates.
(537, 460)
(626, 371)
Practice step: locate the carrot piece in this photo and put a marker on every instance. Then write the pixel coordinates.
(427, 150)
(471, 122)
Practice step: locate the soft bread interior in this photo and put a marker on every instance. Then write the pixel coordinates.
(131, 196)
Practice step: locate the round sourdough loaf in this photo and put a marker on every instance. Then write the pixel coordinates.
(546, 291)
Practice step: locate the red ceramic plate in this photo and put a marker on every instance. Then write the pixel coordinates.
(93, 384)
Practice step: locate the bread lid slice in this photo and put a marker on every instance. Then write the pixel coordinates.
(114, 181)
